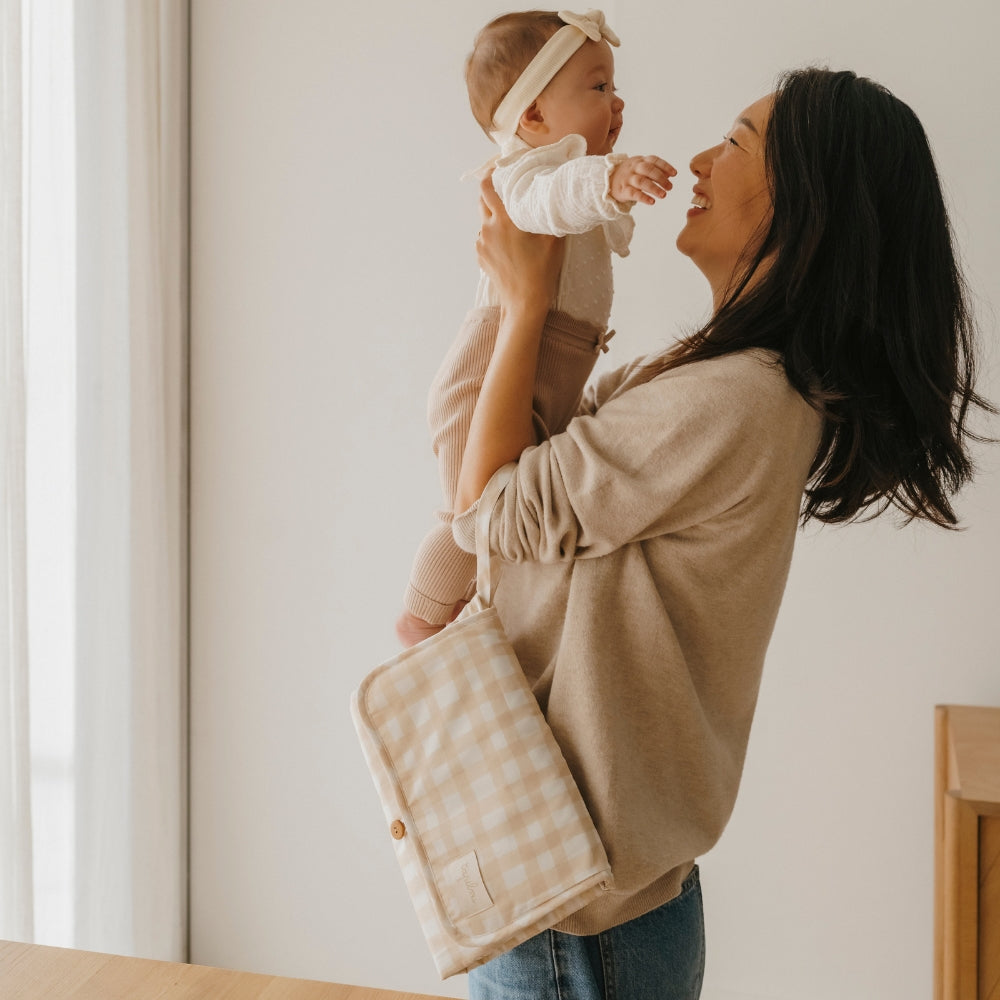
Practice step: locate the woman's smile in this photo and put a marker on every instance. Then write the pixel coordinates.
(700, 202)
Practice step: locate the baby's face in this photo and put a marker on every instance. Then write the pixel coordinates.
(580, 99)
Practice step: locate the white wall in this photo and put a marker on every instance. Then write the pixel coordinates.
(332, 264)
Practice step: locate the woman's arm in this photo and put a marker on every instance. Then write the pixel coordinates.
(524, 269)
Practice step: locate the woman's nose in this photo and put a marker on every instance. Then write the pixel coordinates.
(701, 163)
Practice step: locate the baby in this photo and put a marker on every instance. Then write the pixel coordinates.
(541, 85)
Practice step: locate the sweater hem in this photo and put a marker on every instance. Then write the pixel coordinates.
(613, 908)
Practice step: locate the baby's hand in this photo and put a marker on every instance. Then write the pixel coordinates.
(641, 178)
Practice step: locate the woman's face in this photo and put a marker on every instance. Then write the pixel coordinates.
(731, 199)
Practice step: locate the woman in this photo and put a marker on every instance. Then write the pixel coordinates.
(650, 541)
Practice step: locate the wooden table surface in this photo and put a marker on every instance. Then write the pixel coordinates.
(37, 972)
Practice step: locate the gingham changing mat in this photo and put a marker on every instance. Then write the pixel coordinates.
(489, 828)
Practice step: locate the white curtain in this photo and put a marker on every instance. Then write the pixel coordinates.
(127, 883)
(131, 821)
(16, 895)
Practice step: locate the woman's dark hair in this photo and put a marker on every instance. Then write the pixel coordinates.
(862, 297)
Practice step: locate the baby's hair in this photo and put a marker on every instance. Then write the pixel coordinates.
(499, 56)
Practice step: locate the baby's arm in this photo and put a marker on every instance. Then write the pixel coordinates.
(558, 190)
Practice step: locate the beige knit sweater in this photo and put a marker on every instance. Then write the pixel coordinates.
(648, 548)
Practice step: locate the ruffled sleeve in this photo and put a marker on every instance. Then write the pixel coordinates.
(559, 190)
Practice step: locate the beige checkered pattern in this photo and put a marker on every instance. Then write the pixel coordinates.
(463, 757)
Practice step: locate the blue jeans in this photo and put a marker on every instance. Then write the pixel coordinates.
(658, 956)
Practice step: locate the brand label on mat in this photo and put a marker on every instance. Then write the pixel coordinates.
(466, 890)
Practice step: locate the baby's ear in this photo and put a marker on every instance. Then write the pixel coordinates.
(531, 120)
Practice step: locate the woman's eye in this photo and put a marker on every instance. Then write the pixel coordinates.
(731, 141)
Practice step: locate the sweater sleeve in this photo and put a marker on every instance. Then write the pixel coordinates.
(601, 389)
(559, 190)
(442, 573)
(656, 458)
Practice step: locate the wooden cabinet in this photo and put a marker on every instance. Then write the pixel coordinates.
(967, 854)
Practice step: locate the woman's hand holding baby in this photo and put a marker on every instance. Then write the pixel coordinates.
(641, 178)
(524, 267)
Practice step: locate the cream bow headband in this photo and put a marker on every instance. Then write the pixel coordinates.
(551, 58)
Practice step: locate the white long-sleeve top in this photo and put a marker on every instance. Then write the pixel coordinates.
(561, 191)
